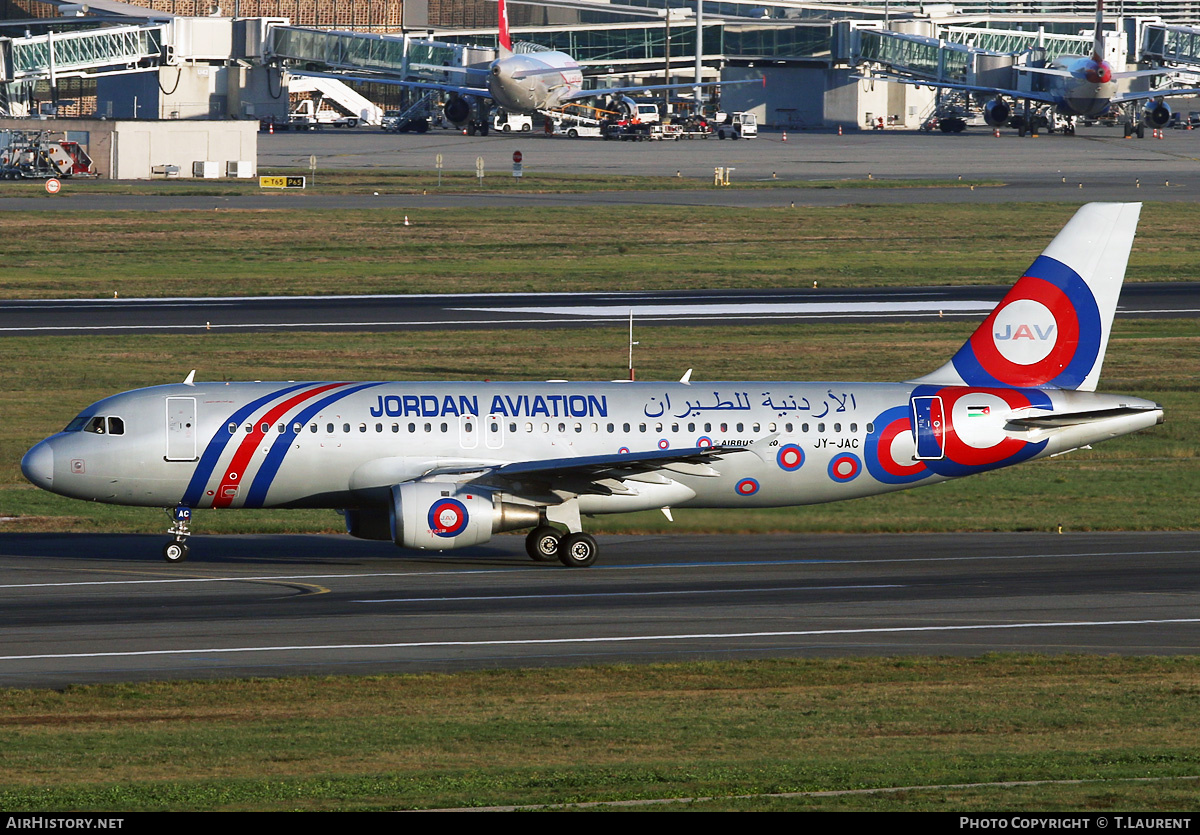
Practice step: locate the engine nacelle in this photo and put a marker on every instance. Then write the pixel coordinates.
(1157, 114)
(457, 110)
(997, 112)
(438, 516)
(368, 524)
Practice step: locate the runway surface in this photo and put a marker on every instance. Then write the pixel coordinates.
(86, 608)
(383, 313)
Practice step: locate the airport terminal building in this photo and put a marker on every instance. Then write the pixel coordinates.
(222, 60)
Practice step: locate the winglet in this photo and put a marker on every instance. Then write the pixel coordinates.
(191, 378)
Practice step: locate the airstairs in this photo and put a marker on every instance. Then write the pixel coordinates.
(339, 96)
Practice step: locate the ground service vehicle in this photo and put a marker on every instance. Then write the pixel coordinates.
(740, 125)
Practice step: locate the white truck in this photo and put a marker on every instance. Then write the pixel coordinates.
(509, 122)
(309, 114)
(738, 125)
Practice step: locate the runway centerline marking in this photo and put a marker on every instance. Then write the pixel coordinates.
(598, 594)
(612, 639)
(744, 308)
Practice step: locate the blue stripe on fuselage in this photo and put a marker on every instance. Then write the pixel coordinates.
(220, 439)
(282, 443)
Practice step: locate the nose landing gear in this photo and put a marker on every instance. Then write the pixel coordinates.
(177, 549)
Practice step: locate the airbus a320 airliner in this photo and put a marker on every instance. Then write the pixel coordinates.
(447, 465)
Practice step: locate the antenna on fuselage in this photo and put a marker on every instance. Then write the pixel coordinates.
(191, 378)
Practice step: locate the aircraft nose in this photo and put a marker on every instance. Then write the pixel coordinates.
(38, 465)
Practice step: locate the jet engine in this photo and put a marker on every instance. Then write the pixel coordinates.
(368, 524)
(1157, 114)
(457, 110)
(997, 112)
(438, 516)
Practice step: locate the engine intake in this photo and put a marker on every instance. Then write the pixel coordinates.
(1157, 114)
(997, 112)
(457, 110)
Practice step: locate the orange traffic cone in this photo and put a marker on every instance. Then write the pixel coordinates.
(406, 223)
(785, 136)
(272, 128)
(996, 133)
(839, 130)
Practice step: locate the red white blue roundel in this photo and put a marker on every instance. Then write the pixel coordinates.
(890, 448)
(747, 487)
(1045, 332)
(790, 457)
(974, 437)
(448, 518)
(704, 442)
(623, 450)
(845, 467)
(663, 443)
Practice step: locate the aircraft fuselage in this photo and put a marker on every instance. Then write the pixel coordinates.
(340, 445)
(1087, 92)
(527, 82)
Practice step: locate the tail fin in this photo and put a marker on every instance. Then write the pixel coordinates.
(505, 38)
(1098, 38)
(1052, 328)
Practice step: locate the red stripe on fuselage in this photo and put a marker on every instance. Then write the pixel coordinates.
(235, 473)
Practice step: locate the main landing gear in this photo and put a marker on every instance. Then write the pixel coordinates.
(177, 549)
(574, 550)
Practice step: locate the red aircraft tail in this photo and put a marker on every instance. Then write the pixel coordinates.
(505, 38)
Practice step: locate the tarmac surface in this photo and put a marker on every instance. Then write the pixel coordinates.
(94, 608)
(538, 310)
(1096, 164)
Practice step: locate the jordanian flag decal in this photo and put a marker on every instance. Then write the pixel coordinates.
(978, 411)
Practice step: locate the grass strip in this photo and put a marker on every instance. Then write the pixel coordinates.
(701, 729)
(475, 250)
(498, 181)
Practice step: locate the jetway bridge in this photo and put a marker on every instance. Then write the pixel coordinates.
(1173, 46)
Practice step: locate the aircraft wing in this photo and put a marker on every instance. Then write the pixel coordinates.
(462, 90)
(596, 474)
(1155, 94)
(1031, 95)
(609, 91)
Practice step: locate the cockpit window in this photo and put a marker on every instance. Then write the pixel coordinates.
(97, 424)
(77, 424)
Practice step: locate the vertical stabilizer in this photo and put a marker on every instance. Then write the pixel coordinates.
(1098, 38)
(505, 38)
(1052, 328)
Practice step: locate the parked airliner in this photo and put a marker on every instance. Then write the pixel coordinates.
(525, 79)
(447, 465)
(1075, 86)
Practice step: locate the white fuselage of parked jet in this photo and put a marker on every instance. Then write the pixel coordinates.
(526, 82)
